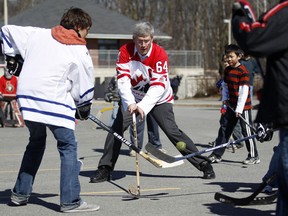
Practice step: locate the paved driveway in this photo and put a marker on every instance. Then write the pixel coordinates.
(174, 191)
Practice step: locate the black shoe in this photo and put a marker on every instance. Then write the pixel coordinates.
(101, 175)
(213, 143)
(214, 158)
(208, 172)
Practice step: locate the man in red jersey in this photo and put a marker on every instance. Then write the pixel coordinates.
(236, 98)
(145, 89)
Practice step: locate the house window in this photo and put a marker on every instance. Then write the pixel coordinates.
(108, 51)
(108, 44)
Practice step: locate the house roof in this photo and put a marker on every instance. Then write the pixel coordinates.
(107, 24)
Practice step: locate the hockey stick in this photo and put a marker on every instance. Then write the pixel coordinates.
(101, 111)
(17, 113)
(263, 200)
(250, 200)
(157, 163)
(132, 190)
(170, 159)
(244, 120)
(249, 125)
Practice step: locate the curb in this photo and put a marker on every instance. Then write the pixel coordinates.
(184, 102)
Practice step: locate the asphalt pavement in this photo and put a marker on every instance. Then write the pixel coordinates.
(176, 191)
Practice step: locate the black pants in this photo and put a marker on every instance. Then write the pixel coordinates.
(227, 125)
(164, 116)
(2, 117)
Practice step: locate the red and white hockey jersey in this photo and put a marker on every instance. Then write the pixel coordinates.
(145, 80)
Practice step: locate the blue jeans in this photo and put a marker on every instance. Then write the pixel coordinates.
(282, 208)
(237, 133)
(114, 113)
(70, 166)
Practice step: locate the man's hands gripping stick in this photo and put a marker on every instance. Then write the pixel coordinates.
(264, 133)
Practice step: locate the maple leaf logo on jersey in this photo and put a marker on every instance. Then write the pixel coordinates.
(138, 80)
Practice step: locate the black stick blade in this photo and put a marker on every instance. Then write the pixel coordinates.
(159, 154)
(265, 200)
(230, 200)
(245, 201)
(251, 199)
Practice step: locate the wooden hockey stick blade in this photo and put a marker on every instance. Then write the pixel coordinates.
(134, 191)
(129, 195)
(160, 163)
(247, 200)
(156, 162)
(170, 159)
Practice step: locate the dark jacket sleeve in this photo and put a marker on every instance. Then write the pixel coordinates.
(266, 36)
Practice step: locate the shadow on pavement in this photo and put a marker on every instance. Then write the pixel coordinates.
(35, 199)
(230, 210)
(119, 174)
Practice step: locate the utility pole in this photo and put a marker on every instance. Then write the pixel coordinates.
(5, 12)
(228, 21)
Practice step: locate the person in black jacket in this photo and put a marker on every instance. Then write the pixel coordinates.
(175, 83)
(268, 37)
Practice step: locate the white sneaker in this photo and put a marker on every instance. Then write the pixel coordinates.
(84, 207)
(18, 200)
(251, 161)
(81, 164)
(132, 153)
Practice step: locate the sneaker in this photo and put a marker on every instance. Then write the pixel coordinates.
(101, 175)
(18, 199)
(251, 161)
(132, 153)
(268, 189)
(213, 143)
(208, 172)
(214, 158)
(84, 207)
(81, 164)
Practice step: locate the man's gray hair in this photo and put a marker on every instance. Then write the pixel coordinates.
(143, 29)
